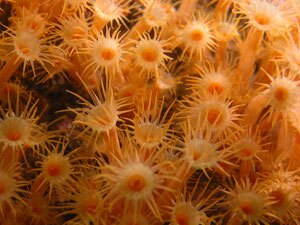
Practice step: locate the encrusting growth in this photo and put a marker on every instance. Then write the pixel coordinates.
(149, 112)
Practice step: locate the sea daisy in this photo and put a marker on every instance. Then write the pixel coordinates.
(105, 53)
(150, 53)
(283, 96)
(133, 181)
(248, 202)
(266, 15)
(196, 37)
(20, 129)
(12, 187)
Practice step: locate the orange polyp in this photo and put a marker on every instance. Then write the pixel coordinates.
(25, 50)
(13, 136)
(262, 20)
(215, 88)
(7, 89)
(35, 208)
(246, 152)
(247, 208)
(149, 55)
(196, 35)
(281, 94)
(34, 25)
(136, 182)
(182, 219)
(53, 170)
(132, 223)
(91, 207)
(108, 54)
(213, 116)
(150, 132)
(2, 187)
(167, 168)
(279, 197)
(24, 4)
(78, 33)
(196, 156)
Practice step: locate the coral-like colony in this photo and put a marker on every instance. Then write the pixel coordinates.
(149, 112)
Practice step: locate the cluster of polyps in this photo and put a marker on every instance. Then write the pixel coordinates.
(185, 112)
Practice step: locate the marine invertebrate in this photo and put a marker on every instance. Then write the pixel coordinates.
(135, 111)
(20, 129)
(11, 187)
(56, 172)
(133, 181)
(196, 37)
(248, 203)
(106, 53)
(150, 53)
(281, 187)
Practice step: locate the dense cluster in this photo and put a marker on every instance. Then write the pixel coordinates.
(149, 112)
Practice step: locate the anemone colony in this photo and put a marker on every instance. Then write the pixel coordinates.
(149, 112)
